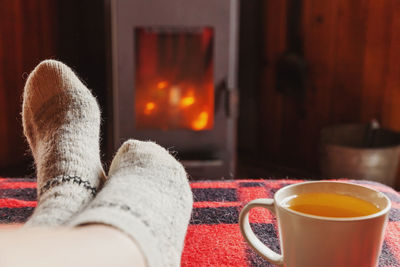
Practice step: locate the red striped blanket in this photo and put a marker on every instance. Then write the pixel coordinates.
(213, 237)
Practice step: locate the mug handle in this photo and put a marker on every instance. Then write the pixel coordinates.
(249, 235)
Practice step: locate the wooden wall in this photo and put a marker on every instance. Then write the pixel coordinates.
(27, 35)
(72, 31)
(352, 49)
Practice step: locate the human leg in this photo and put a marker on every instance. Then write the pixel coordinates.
(147, 197)
(87, 246)
(143, 211)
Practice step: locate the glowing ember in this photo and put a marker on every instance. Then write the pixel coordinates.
(201, 122)
(149, 108)
(162, 85)
(187, 101)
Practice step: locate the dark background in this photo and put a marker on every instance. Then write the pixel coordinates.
(350, 50)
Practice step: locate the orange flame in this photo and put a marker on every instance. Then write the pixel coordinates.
(149, 108)
(187, 101)
(200, 122)
(162, 85)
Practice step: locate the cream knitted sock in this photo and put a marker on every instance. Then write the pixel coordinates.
(61, 121)
(148, 197)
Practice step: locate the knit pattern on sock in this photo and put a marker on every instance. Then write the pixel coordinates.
(148, 197)
(61, 121)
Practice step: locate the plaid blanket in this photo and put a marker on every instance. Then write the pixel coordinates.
(213, 237)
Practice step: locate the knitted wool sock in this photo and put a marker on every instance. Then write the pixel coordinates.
(61, 121)
(148, 197)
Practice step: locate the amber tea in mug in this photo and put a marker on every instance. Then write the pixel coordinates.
(323, 223)
(330, 205)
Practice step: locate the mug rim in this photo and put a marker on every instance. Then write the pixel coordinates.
(336, 219)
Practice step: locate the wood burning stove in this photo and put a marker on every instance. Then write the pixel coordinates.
(174, 72)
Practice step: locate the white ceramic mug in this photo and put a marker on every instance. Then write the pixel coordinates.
(316, 241)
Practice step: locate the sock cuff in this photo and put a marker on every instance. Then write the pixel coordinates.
(109, 213)
(63, 179)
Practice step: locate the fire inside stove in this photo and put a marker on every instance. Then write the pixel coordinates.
(174, 84)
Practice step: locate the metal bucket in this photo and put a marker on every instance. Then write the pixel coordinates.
(358, 151)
